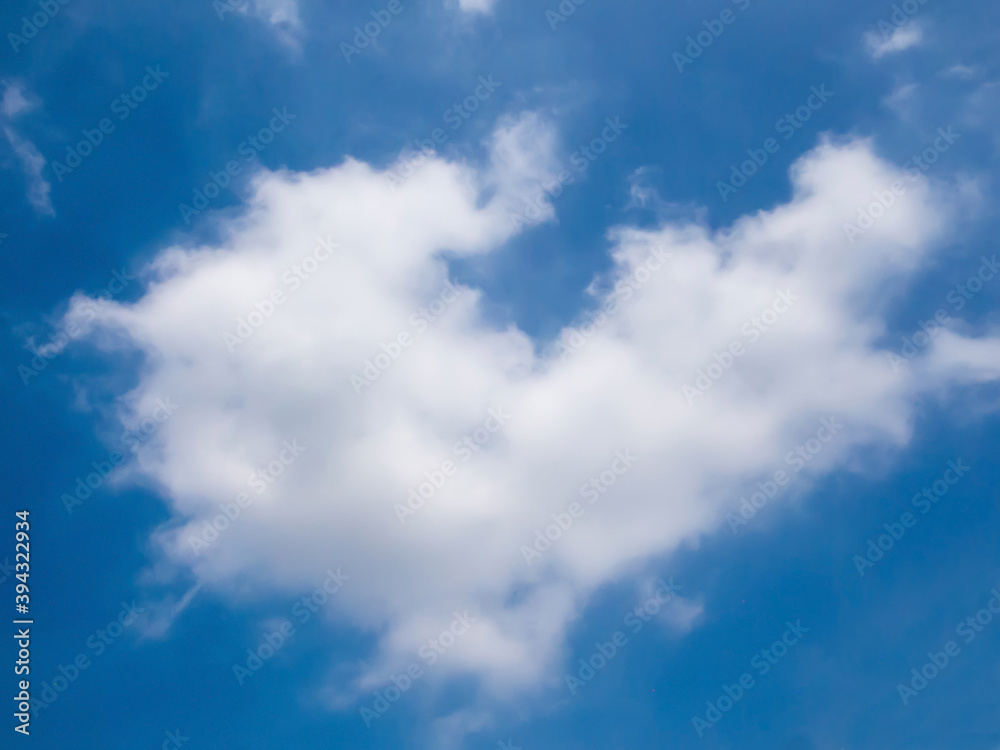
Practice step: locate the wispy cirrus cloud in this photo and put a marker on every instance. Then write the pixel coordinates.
(16, 100)
(882, 43)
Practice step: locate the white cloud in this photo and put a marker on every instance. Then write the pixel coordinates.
(902, 100)
(623, 390)
(32, 164)
(965, 72)
(282, 16)
(16, 101)
(980, 112)
(477, 6)
(641, 192)
(901, 38)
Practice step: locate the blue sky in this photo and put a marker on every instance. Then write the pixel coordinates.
(495, 272)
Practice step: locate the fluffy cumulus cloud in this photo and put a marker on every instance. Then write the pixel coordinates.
(334, 386)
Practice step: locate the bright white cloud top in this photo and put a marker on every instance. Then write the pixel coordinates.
(802, 299)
